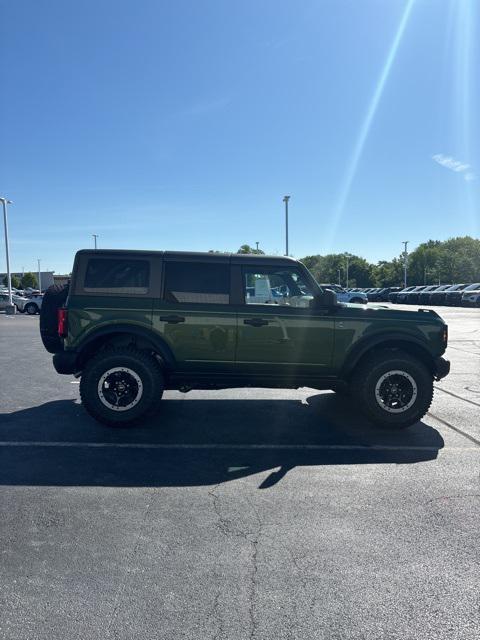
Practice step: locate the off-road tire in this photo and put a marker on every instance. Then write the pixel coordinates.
(53, 299)
(370, 371)
(143, 365)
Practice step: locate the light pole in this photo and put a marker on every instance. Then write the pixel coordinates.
(286, 199)
(39, 277)
(339, 278)
(10, 309)
(347, 258)
(257, 243)
(405, 260)
(95, 236)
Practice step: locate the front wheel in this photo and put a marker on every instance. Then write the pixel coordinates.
(120, 387)
(393, 388)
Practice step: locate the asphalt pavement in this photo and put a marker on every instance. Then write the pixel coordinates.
(244, 514)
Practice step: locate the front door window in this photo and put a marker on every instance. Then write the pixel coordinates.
(281, 286)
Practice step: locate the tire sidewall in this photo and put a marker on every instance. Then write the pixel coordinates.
(31, 309)
(145, 367)
(423, 380)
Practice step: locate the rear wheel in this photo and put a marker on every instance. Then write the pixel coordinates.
(393, 388)
(120, 387)
(31, 308)
(358, 301)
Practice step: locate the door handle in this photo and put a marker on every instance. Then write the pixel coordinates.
(255, 322)
(172, 319)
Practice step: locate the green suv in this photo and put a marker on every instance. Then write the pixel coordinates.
(133, 323)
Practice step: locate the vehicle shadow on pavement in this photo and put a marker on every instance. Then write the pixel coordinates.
(199, 442)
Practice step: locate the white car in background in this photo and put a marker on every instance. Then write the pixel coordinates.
(31, 305)
(356, 297)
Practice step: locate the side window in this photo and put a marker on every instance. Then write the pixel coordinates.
(197, 282)
(276, 286)
(117, 275)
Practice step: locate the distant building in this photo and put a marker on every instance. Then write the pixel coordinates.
(61, 279)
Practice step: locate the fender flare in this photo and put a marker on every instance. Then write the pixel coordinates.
(360, 348)
(158, 343)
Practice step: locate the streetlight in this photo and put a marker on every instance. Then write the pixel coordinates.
(286, 199)
(39, 277)
(257, 243)
(95, 236)
(347, 257)
(339, 278)
(405, 260)
(10, 309)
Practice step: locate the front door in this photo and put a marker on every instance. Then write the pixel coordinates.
(279, 333)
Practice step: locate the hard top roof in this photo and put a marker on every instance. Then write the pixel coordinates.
(193, 255)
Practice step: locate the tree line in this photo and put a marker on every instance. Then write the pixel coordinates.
(456, 260)
(28, 279)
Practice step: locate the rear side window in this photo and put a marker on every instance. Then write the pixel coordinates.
(120, 275)
(197, 282)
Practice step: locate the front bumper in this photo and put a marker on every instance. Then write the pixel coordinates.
(65, 362)
(441, 368)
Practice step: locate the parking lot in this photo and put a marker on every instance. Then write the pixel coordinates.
(251, 514)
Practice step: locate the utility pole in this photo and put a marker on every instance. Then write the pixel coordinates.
(95, 236)
(405, 261)
(39, 277)
(286, 199)
(11, 308)
(347, 257)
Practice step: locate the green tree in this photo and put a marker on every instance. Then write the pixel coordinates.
(325, 269)
(246, 248)
(29, 280)
(14, 281)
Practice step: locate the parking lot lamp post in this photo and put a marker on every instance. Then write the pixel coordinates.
(405, 261)
(39, 277)
(339, 278)
(286, 199)
(95, 236)
(347, 258)
(11, 307)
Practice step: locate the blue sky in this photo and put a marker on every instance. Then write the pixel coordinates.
(181, 125)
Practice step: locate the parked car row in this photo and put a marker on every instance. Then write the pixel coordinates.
(375, 294)
(26, 301)
(453, 295)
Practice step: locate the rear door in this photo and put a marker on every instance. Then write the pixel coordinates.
(194, 315)
(282, 335)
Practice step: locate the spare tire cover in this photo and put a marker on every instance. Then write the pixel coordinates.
(54, 298)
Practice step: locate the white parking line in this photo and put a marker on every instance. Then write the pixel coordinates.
(222, 446)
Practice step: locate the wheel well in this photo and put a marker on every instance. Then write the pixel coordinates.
(411, 348)
(120, 339)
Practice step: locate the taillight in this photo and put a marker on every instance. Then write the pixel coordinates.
(62, 317)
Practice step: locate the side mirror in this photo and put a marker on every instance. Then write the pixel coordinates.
(327, 298)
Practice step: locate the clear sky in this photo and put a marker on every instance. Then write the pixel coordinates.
(182, 124)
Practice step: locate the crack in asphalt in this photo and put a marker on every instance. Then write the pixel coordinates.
(227, 529)
(133, 552)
